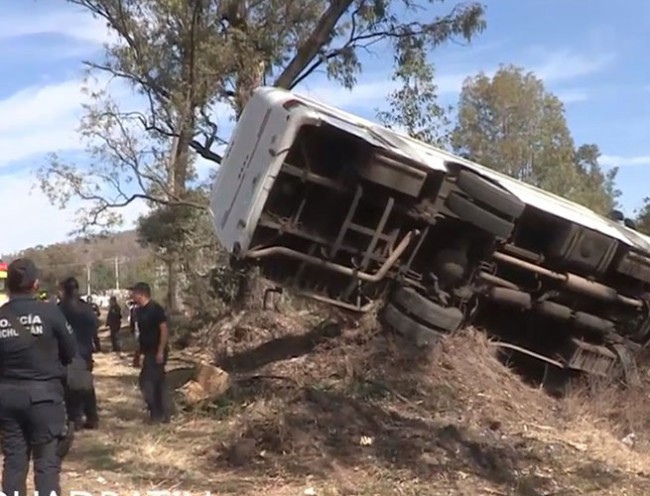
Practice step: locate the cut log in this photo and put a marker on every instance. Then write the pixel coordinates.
(193, 394)
(206, 384)
(214, 381)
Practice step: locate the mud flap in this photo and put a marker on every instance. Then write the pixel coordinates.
(628, 365)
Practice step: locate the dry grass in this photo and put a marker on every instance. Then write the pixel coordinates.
(125, 451)
(126, 455)
(453, 422)
(613, 421)
(359, 413)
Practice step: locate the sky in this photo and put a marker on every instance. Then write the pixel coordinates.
(593, 56)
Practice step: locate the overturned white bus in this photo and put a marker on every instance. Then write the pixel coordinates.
(350, 213)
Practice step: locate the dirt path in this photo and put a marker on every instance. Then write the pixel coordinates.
(127, 455)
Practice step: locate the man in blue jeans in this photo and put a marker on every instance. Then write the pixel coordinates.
(152, 352)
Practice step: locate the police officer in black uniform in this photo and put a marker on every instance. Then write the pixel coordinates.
(83, 320)
(36, 344)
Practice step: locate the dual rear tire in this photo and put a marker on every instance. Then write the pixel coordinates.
(484, 204)
(419, 319)
(476, 201)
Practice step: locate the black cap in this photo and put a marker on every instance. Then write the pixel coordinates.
(21, 274)
(140, 287)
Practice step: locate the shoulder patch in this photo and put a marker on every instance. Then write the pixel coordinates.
(69, 328)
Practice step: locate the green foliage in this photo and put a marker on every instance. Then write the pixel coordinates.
(143, 269)
(103, 276)
(168, 229)
(598, 188)
(96, 256)
(512, 124)
(184, 236)
(178, 229)
(413, 106)
(209, 295)
(186, 57)
(642, 217)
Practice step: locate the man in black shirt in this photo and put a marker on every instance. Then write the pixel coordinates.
(36, 344)
(153, 344)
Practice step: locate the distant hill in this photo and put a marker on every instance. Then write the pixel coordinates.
(96, 257)
(124, 243)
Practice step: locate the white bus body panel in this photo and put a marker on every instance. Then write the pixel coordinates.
(264, 133)
(244, 175)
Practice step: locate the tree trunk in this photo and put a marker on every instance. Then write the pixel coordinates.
(180, 159)
(172, 286)
(250, 290)
(249, 287)
(312, 46)
(178, 178)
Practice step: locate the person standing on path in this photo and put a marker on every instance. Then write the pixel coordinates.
(36, 345)
(114, 323)
(132, 309)
(83, 320)
(152, 352)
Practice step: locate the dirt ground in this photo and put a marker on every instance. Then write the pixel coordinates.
(334, 408)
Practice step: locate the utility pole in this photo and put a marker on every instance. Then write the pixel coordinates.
(117, 274)
(88, 278)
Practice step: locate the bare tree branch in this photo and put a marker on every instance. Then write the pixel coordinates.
(368, 38)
